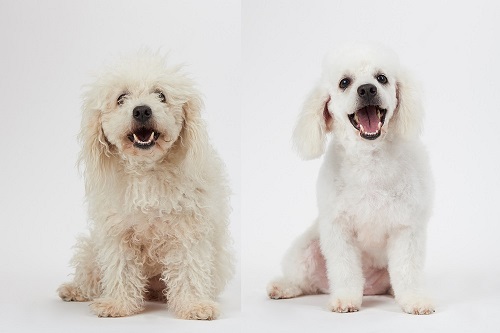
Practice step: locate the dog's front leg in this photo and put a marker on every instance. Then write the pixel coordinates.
(189, 279)
(406, 250)
(343, 262)
(123, 282)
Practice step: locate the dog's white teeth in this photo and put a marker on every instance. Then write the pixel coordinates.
(151, 138)
(356, 118)
(362, 130)
(379, 114)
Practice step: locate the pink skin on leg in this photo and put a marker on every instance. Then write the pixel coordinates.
(377, 280)
(316, 265)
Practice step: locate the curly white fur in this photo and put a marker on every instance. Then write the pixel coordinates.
(159, 216)
(374, 196)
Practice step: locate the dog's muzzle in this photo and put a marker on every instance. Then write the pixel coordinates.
(144, 135)
(370, 118)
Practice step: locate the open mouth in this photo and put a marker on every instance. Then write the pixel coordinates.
(368, 121)
(144, 138)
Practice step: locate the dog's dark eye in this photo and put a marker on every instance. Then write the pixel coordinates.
(161, 96)
(382, 78)
(344, 83)
(121, 99)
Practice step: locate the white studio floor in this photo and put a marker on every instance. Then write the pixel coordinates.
(31, 304)
(466, 301)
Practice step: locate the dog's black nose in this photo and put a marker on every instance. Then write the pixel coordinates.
(367, 91)
(142, 113)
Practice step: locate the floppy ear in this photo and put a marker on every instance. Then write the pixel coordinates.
(315, 121)
(194, 136)
(95, 154)
(409, 113)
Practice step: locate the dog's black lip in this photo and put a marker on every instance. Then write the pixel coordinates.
(358, 128)
(353, 122)
(144, 147)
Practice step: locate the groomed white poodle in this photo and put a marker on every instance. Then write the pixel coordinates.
(157, 196)
(374, 190)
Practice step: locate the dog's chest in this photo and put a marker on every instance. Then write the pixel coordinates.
(369, 198)
(373, 188)
(153, 243)
(159, 194)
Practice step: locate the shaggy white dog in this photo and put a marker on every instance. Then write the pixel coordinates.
(374, 190)
(157, 196)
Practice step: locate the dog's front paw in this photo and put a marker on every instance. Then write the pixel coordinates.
(199, 310)
(345, 304)
(69, 292)
(108, 307)
(417, 305)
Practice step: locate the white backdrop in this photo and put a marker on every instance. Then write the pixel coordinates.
(49, 49)
(254, 60)
(454, 50)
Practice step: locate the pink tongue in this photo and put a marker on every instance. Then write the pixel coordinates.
(367, 117)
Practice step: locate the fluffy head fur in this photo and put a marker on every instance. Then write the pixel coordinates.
(329, 105)
(156, 192)
(108, 121)
(374, 189)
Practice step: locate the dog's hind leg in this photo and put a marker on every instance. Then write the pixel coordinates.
(304, 269)
(86, 283)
